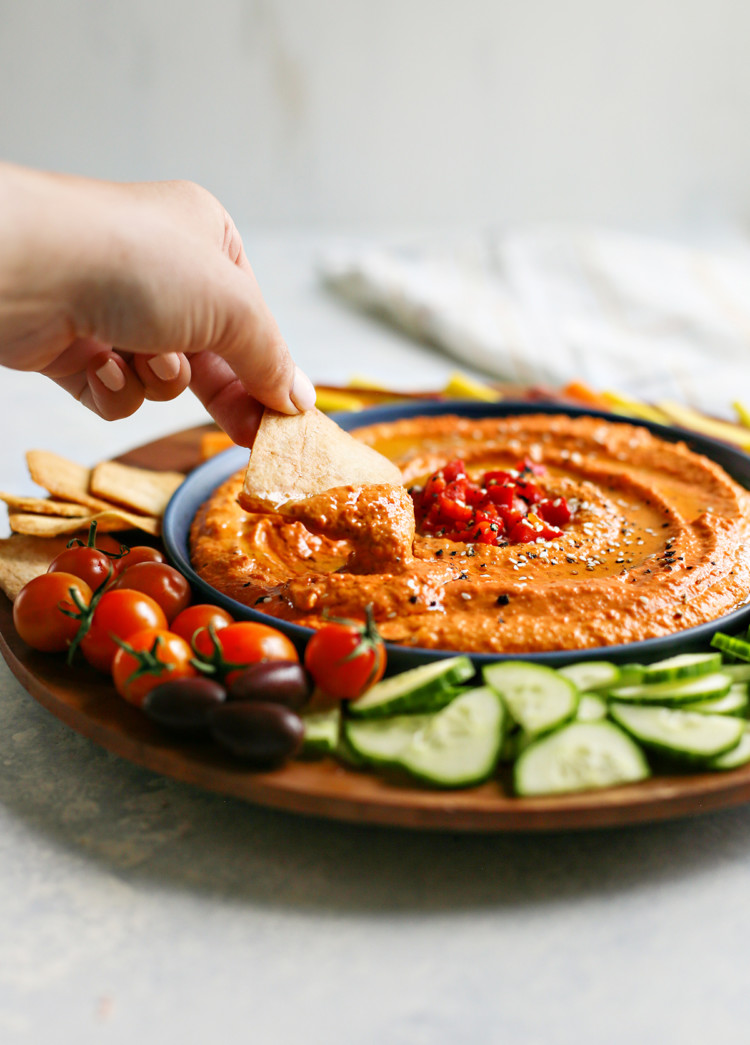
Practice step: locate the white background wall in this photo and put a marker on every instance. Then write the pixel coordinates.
(373, 113)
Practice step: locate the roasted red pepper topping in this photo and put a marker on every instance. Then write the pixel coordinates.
(503, 507)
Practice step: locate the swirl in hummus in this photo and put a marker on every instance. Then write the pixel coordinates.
(657, 542)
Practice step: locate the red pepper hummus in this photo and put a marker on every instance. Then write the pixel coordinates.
(657, 541)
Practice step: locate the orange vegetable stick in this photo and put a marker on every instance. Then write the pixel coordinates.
(581, 391)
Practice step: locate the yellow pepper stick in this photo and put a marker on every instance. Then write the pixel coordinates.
(742, 413)
(461, 386)
(362, 381)
(328, 400)
(689, 418)
(624, 404)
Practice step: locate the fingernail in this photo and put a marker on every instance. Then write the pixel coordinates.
(111, 376)
(166, 367)
(303, 392)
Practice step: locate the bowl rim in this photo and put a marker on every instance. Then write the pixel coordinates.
(203, 480)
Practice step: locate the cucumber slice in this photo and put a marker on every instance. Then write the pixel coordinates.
(735, 702)
(683, 666)
(322, 730)
(728, 644)
(738, 756)
(591, 675)
(581, 756)
(426, 688)
(688, 735)
(460, 745)
(381, 740)
(345, 753)
(538, 698)
(737, 672)
(704, 687)
(591, 708)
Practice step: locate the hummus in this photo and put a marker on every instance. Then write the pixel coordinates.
(656, 543)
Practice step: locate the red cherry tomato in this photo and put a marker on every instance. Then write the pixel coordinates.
(197, 619)
(140, 553)
(241, 644)
(119, 613)
(38, 611)
(155, 656)
(90, 564)
(163, 583)
(113, 548)
(346, 658)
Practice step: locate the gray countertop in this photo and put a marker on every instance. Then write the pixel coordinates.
(133, 907)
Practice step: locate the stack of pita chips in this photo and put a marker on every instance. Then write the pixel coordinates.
(116, 496)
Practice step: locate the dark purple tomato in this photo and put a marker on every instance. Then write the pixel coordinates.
(184, 705)
(261, 734)
(274, 682)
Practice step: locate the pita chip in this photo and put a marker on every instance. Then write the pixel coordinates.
(113, 519)
(43, 506)
(63, 478)
(139, 489)
(297, 456)
(22, 558)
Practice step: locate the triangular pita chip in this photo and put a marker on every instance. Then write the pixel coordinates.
(296, 456)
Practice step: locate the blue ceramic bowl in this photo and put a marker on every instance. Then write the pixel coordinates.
(201, 483)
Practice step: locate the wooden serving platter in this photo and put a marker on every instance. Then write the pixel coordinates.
(87, 702)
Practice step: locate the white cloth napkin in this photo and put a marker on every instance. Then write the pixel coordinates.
(649, 318)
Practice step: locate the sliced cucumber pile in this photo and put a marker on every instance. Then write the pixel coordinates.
(588, 725)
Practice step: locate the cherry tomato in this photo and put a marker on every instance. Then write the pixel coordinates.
(140, 553)
(345, 658)
(105, 543)
(197, 619)
(113, 548)
(244, 643)
(90, 564)
(163, 583)
(154, 656)
(120, 613)
(37, 611)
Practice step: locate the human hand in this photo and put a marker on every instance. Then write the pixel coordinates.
(126, 292)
